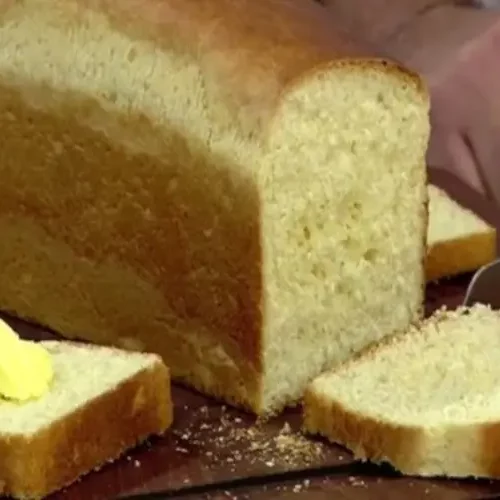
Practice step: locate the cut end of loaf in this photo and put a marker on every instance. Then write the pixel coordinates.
(252, 252)
(102, 402)
(426, 402)
(344, 220)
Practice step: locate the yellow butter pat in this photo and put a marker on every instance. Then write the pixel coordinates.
(26, 369)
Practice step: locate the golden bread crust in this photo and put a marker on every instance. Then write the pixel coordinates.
(460, 255)
(472, 450)
(489, 458)
(250, 52)
(253, 50)
(366, 437)
(434, 449)
(98, 432)
(411, 450)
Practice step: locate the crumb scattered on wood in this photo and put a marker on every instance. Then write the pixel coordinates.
(231, 441)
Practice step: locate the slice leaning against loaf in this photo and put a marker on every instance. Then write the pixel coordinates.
(458, 240)
(427, 402)
(229, 183)
(102, 401)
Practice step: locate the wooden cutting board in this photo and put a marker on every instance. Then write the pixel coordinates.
(211, 444)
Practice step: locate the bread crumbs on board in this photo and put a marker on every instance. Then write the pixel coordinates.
(232, 441)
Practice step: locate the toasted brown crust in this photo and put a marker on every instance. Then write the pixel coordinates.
(461, 255)
(99, 432)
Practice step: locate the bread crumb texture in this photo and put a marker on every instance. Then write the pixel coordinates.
(427, 402)
(81, 375)
(102, 401)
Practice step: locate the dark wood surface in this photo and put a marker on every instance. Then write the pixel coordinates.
(215, 452)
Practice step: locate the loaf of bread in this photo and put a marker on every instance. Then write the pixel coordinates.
(228, 183)
(101, 402)
(426, 402)
(458, 240)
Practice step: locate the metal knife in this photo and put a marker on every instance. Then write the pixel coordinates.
(485, 286)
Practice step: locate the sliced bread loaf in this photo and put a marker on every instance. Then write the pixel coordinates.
(102, 401)
(427, 402)
(458, 240)
(232, 184)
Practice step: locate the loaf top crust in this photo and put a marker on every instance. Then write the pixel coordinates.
(250, 52)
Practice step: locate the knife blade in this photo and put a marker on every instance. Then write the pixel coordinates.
(485, 286)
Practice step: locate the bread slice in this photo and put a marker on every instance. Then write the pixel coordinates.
(102, 401)
(458, 240)
(427, 402)
(231, 184)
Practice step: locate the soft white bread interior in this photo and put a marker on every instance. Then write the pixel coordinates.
(427, 402)
(102, 402)
(458, 240)
(227, 183)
